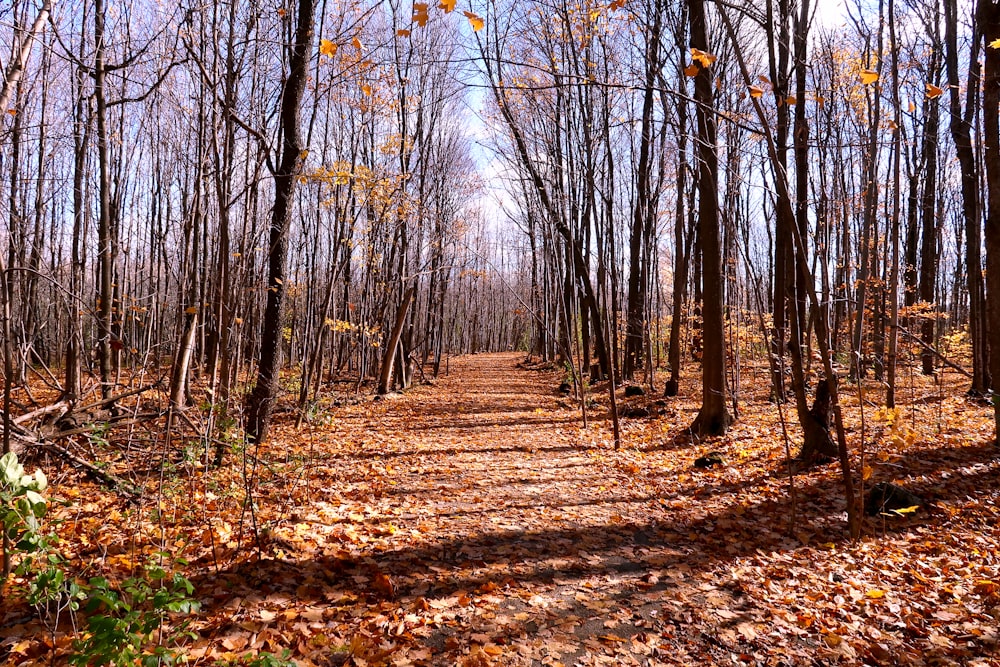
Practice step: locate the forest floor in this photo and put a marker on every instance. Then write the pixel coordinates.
(475, 521)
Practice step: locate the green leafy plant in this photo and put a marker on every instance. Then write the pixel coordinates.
(22, 509)
(98, 434)
(21, 504)
(126, 623)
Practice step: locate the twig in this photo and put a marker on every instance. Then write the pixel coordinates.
(929, 348)
(115, 399)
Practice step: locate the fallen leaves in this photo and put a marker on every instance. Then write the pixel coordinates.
(477, 522)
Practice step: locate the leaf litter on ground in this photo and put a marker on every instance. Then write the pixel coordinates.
(476, 521)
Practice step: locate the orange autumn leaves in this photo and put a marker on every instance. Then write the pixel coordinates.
(420, 15)
(702, 60)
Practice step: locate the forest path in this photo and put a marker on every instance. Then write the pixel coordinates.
(475, 521)
(482, 521)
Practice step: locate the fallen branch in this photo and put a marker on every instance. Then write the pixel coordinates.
(114, 399)
(945, 360)
(61, 408)
(113, 482)
(120, 420)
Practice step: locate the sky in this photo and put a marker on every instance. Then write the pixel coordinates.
(830, 12)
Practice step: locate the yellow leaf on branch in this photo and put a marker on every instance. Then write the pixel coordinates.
(327, 48)
(703, 58)
(476, 22)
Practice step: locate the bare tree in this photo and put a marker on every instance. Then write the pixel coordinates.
(260, 401)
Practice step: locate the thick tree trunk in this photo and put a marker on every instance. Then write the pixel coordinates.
(989, 21)
(713, 418)
(961, 124)
(260, 401)
(817, 443)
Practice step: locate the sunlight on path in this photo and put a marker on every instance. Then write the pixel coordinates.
(476, 522)
(495, 496)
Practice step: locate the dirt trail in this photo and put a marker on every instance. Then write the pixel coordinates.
(476, 522)
(482, 502)
(488, 438)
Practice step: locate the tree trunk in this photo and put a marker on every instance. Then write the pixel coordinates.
(392, 342)
(869, 214)
(928, 209)
(989, 21)
(784, 253)
(636, 326)
(105, 241)
(260, 401)
(713, 418)
(890, 388)
(961, 131)
(182, 362)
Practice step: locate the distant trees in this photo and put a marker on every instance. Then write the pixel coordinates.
(143, 167)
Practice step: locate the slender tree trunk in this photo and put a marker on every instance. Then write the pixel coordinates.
(784, 253)
(260, 401)
(714, 417)
(636, 326)
(890, 389)
(928, 208)
(392, 342)
(105, 241)
(870, 210)
(81, 141)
